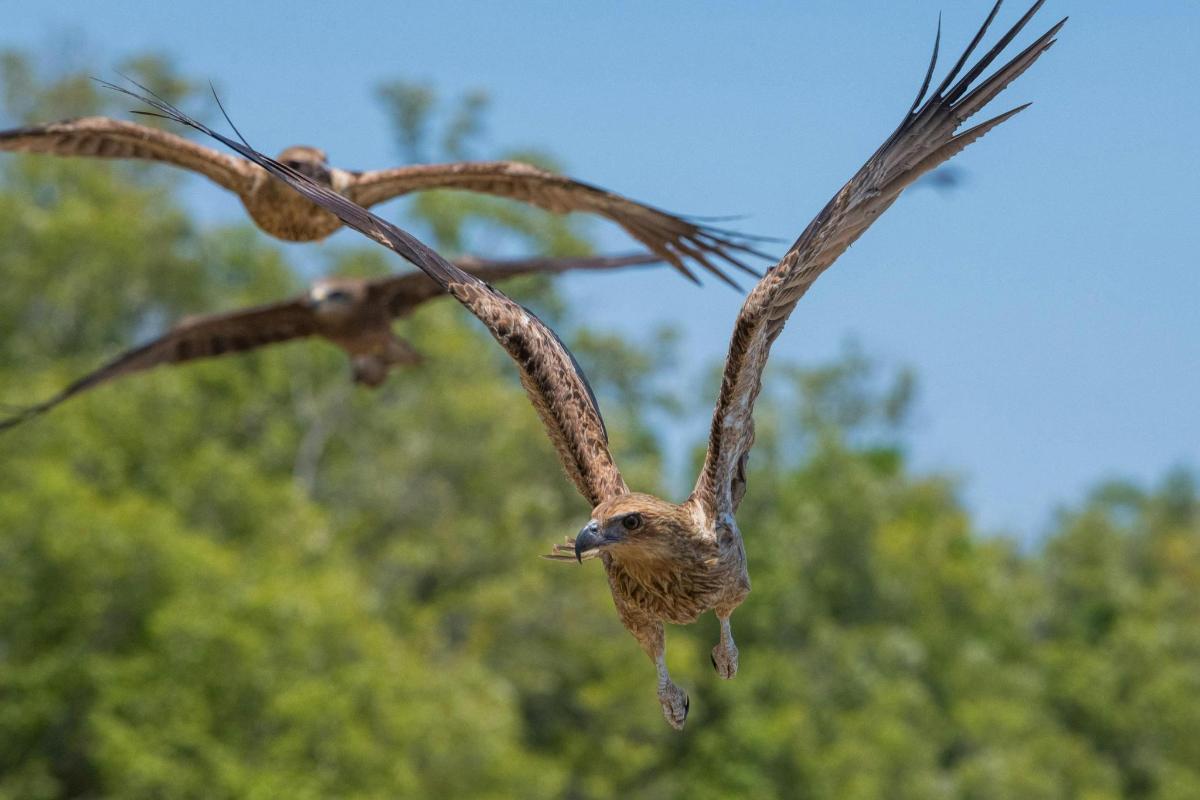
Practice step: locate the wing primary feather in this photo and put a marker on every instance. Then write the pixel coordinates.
(960, 142)
(962, 60)
(713, 232)
(735, 261)
(702, 259)
(937, 41)
(983, 94)
(991, 55)
(225, 113)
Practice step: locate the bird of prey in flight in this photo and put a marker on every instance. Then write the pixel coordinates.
(669, 562)
(286, 215)
(354, 313)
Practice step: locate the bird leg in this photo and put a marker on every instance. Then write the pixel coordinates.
(674, 701)
(369, 370)
(725, 654)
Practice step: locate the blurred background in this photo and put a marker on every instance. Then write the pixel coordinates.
(973, 521)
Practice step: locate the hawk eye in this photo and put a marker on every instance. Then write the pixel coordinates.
(632, 522)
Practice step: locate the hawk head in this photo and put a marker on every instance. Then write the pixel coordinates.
(634, 527)
(308, 161)
(336, 298)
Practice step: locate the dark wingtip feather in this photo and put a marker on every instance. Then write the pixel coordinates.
(23, 414)
(225, 113)
(759, 253)
(708, 242)
(737, 262)
(937, 43)
(701, 256)
(722, 234)
(962, 60)
(676, 262)
(702, 218)
(968, 105)
(967, 79)
(154, 114)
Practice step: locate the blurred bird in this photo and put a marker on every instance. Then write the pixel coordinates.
(286, 215)
(353, 313)
(667, 562)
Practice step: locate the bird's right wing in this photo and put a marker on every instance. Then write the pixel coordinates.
(927, 137)
(553, 380)
(101, 137)
(402, 293)
(191, 339)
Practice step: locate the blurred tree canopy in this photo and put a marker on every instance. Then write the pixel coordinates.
(247, 579)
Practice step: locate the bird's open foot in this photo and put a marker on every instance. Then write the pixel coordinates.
(725, 659)
(675, 704)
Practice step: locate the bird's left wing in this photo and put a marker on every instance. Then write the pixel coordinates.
(926, 138)
(402, 293)
(553, 380)
(204, 336)
(101, 137)
(675, 239)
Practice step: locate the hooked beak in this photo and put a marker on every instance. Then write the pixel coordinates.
(589, 539)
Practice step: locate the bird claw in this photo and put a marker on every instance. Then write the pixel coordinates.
(724, 660)
(675, 705)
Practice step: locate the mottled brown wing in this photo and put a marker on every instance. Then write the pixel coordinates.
(925, 139)
(402, 293)
(191, 339)
(101, 137)
(553, 380)
(676, 240)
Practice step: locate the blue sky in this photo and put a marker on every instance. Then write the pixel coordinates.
(1050, 307)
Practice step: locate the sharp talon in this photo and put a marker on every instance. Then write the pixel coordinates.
(687, 705)
(713, 659)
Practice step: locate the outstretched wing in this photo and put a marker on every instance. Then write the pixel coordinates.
(193, 338)
(101, 137)
(402, 293)
(925, 139)
(675, 239)
(553, 380)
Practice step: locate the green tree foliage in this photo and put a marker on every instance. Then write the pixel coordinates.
(249, 579)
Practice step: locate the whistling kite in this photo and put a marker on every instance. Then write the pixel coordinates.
(286, 215)
(668, 562)
(354, 313)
